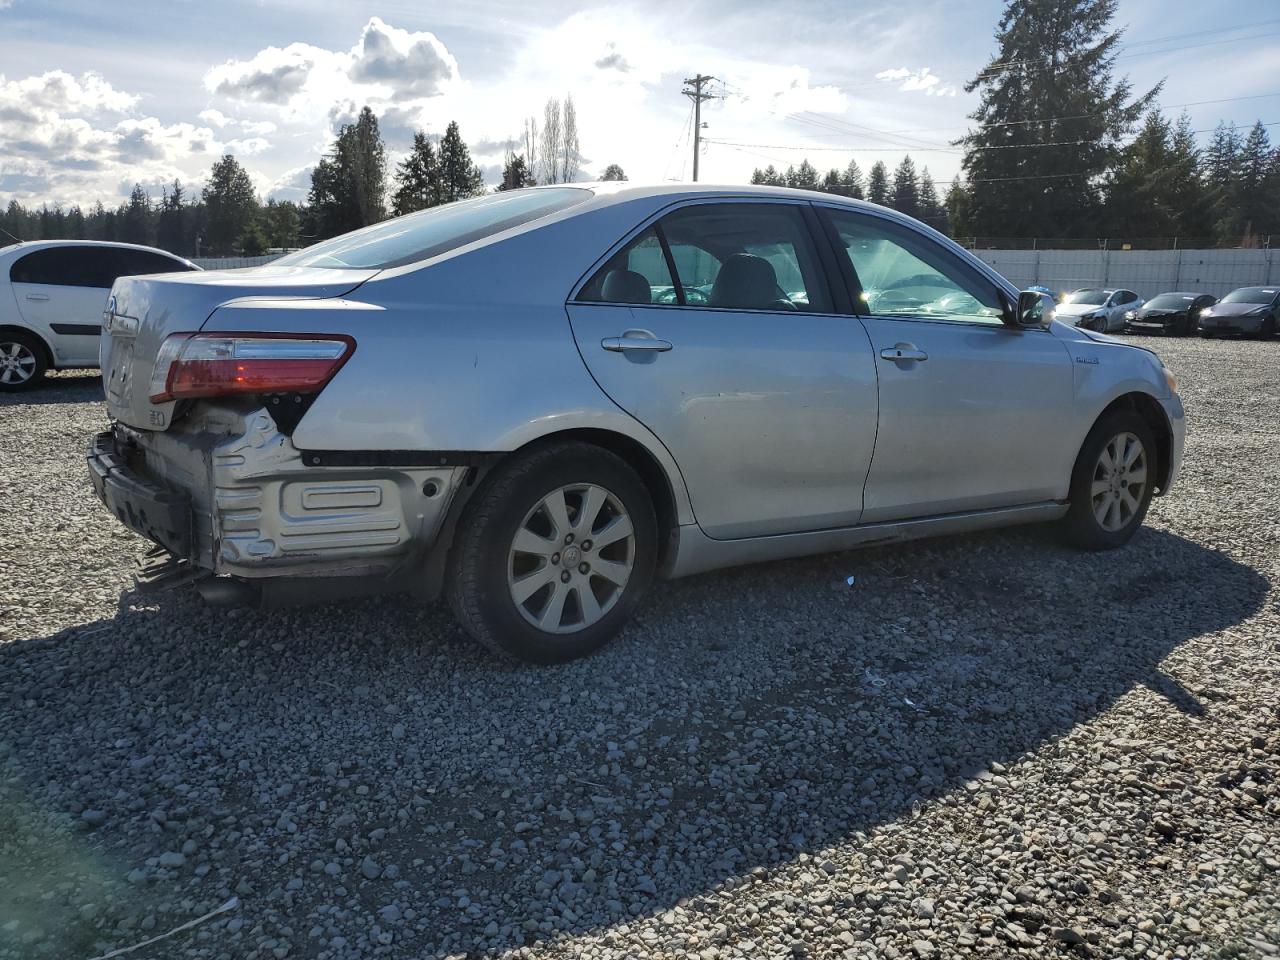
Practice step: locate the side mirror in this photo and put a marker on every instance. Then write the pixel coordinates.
(1034, 309)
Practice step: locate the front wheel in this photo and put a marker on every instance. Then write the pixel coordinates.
(22, 363)
(553, 553)
(1112, 483)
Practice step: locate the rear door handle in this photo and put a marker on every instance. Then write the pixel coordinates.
(903, 353)
(37, 296)
(641, 340)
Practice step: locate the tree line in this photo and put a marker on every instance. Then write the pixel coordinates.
(349, 188)
(1063, 149)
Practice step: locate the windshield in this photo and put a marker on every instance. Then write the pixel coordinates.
(1170, 301)
(1251, 295)
(438, 230)
(1093, 298)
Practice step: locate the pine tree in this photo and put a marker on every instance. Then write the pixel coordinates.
(613, 172)
(852, 181)
(516, 173)
(906, 188)
(282, 224)
(1137, 196)
(769, 177)
(459, 177)
(832, 182)
(1254, 201)
(1185, 187)
(804, 177)
(171, 225)
(231, 202)
(417, 178)
(1051, 82)
(932, 211)
(348, 187)
(958, 210)
(137, 218)
(1222, 175)
(878, 184)
(252, 241)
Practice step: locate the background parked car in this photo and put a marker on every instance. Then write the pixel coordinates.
(53, 319)
(1172, 313)
(1097, 309)
(1249, 310)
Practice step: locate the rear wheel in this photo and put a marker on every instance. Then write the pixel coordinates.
(1112, 483)
(22, 363)
(553, 554)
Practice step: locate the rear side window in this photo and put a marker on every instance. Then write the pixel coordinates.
(134, 263)
(638, 273)
(429, 233)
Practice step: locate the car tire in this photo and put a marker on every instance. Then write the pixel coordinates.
(22, 362)
(524, 575)
(1104, 514)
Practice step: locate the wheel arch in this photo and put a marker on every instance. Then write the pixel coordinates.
(34, 335)
(1149, 408)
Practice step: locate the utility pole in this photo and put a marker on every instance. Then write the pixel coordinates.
(697, 96)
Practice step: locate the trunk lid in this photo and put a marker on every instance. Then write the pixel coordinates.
(142, 311)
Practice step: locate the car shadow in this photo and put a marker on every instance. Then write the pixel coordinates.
(746, 718)
(64, 386)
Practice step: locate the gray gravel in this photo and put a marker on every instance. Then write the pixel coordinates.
(988, 745)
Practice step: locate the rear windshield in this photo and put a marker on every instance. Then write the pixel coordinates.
(1091, 298)
(1170, 301)
(429, 233)
(1251, 295)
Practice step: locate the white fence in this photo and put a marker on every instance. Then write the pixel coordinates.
(233, 263)
(1146, 272)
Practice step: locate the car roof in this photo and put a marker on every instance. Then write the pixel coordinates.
(610, 192)
(26, 246)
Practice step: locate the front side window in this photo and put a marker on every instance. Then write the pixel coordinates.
(64, 267)
(637, 273)
(746, 256)
(429, 233)
(902, 273)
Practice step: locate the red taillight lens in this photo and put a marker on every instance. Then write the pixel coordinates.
(191, 365)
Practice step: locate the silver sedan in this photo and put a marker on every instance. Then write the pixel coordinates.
(536, 401)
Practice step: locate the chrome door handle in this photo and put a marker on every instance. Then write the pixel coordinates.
(636, 340)
(903, 354)
(37, 296)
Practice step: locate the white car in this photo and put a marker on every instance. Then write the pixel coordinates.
(1097, 309)
(52, 297)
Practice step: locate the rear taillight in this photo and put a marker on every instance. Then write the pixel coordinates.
(191, 365)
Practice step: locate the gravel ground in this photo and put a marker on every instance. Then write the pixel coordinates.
(989, 745)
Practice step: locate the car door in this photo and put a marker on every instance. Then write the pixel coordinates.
(61, 293)
(715, 328)
(1122, 301)
(974, 414)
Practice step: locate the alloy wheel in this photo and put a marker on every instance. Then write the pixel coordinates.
(17, 362)
(571, 558)
(1119, 482)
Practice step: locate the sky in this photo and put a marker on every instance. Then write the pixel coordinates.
(97, 96)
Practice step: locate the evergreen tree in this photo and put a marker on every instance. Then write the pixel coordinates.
(1137, 193)
(1256, 203)
(516, 173)
(459, 177)
(171, 225)
(833, 182)
(1185, 189)
(804, 177)
(417, 178)
(906, 188)
(137, 217)
(932, 211)
(1051, 82)
(878, 184)
(613, 172)
(348, 187)
(769, 177)
(282, 224)
(231, 203)
(852, 180)
(252, 242)
(958, 210)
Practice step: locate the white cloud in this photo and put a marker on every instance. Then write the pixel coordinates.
(409, 65)
(923, 81)
(217, 118)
